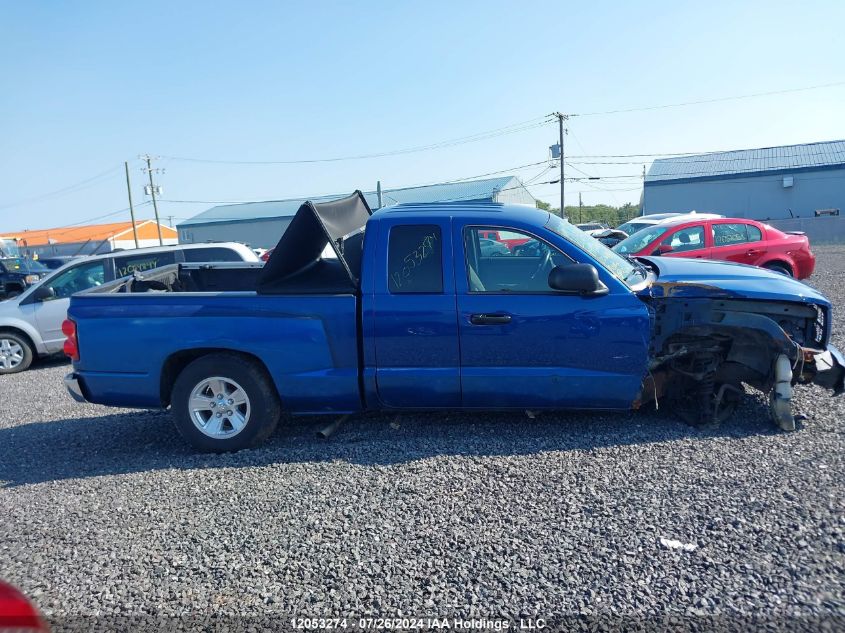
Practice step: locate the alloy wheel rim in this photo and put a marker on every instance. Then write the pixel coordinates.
(219, 407)
(11, 353)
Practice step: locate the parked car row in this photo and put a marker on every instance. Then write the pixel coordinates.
(31, 321)
(727, 239)
(711, 236)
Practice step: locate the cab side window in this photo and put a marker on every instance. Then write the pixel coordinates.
(687, 239)
(754, 234)
(515, 262)
(415, 259)
(78, 279)
(727, 234)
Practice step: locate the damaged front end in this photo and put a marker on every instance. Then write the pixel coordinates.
(707, 343)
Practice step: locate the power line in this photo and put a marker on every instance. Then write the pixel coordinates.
(481, 136)
(67, 228)
(404, 188)
(64, 190)
(472, 196)
(715, 100)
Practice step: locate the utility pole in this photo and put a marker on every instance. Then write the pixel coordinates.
(149, 170)
(378, 190)
(131, 206)
(560, 119)
(642, 206)
(579, 208)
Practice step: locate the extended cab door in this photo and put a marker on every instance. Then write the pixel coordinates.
(415, 327)
(525, 345)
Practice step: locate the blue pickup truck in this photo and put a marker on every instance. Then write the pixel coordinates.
(412, 312)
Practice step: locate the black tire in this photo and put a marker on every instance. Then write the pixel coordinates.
(783, 269)
(12, 361)
(263, 407)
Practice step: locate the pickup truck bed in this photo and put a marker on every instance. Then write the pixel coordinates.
(308, 343)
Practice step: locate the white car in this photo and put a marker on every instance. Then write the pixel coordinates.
(31, 323)
(644, 221)
(591, 228)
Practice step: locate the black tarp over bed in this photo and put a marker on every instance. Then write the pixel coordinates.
(296, 265)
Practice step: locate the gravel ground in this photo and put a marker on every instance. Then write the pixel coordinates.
(106, 512)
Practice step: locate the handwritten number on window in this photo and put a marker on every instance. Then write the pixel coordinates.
(413, 259)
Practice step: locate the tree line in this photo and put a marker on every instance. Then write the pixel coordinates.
(612, 216)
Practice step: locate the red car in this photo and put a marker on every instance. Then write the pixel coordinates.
(509, 239)
(17, 614)
(729, 239)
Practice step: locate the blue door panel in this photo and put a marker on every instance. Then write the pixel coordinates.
(417, 357)
(555, 350)
(416, 335)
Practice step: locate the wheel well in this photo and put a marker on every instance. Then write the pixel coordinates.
(175, 363)
(779, 262)
(24, 335)
(738, 354)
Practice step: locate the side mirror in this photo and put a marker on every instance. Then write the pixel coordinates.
(663, 249)
(43, 293)
(582, 279)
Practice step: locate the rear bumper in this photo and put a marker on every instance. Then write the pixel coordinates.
(830, 370)
(74, 388)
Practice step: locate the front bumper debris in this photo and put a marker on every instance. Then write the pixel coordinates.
(73, 388)
(830, 370)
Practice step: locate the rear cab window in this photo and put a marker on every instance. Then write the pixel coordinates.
(415, 259)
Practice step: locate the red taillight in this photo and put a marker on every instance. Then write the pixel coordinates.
(71, 347)
(17, 613)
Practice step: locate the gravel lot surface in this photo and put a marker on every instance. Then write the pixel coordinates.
(107, 512)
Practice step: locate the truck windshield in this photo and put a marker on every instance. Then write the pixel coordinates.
(21, 265)
(616, 264)
(9, 248)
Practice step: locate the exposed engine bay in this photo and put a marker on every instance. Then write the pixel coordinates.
(704, 350)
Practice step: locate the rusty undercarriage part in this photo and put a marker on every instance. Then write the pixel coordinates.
(695, 388)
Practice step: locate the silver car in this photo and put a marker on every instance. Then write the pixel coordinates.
(31, 323)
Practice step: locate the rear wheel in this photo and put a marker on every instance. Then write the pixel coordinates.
(224, 402)
(777, 267)
(15, 353)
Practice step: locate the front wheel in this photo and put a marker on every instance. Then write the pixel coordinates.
(16, 353)
(224, 402)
